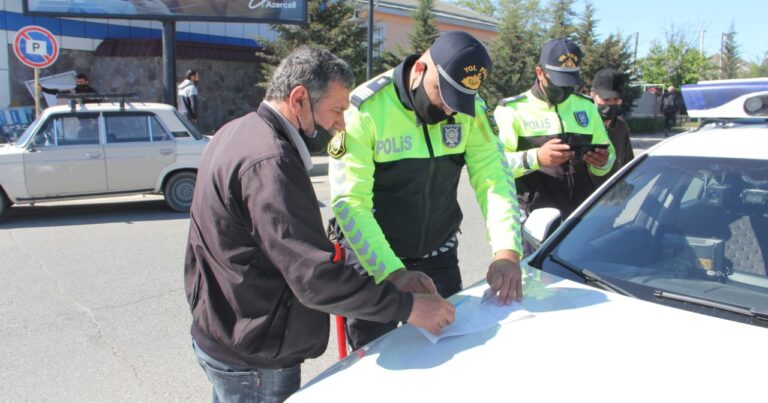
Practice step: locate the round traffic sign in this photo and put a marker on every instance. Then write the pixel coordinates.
(36, 47)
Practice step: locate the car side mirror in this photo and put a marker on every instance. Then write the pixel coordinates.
(538, 226)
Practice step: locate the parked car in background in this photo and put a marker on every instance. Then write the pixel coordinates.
(654, 289)
(102, 149)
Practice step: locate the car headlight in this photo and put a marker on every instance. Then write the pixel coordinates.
(756, 106)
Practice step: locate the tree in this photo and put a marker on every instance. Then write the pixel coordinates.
(586, 39)
(675, 63)
(486, 7)
(514, 52)
(424, 30)
(561, 19)
(759, 68)
(729, 57)
(333, 24)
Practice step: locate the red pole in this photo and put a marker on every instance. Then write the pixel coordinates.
(341, 336)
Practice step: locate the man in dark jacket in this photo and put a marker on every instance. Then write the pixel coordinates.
(669, 107)
(607, 89)
(259, 272)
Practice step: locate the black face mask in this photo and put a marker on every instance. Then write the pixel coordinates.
(556, 95)
(428, 112)
(317, 130)
(81, 88)
(609, 112)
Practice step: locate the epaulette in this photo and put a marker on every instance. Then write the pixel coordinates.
(512, 99)
(587, 97)
(363, 92)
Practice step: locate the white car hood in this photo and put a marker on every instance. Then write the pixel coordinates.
(582, 344)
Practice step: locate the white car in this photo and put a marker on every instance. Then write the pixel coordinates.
(655, 289)
(102, 149)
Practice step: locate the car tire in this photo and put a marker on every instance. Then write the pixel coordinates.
(179, 189)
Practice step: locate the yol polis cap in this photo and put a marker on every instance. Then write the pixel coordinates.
(608, 83)
(561, 59)
(462, 64)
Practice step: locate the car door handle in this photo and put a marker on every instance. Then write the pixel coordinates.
(166, 151)
(93, 155)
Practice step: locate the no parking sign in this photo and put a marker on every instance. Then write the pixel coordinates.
(36, 47)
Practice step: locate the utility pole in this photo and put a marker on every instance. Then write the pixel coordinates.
(369, 68)
(701, 42)
(722, 36)
(634, 62)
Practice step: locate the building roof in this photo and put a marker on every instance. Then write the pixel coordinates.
(444, 12)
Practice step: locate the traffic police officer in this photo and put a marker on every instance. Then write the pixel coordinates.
(537, 127)
(395, 173)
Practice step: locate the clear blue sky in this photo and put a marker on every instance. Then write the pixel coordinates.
(652, 18)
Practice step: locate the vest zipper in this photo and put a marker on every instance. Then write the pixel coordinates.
(427, 189)
(569, 173)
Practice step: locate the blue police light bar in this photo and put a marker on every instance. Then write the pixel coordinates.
(744, 98)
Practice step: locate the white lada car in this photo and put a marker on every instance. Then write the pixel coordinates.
(102, 149)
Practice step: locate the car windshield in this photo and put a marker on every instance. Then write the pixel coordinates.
(28, 132)
(190, 127)
(696, 227)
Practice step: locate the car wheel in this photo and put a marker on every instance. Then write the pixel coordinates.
(179, 190)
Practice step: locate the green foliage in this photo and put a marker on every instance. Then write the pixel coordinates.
(759, 68)
(646, 124)
(333, 25)
(514, 51)
(486, 7)
(561, 17)
(586, 39)
(675, 63)
(424, 30)
(730, 62)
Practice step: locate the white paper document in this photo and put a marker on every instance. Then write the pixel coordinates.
(475, 313)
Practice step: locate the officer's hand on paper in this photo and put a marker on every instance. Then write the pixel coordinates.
(553, 153)
(596, 158)
(504, 277)
(431, 312)
(413, 281)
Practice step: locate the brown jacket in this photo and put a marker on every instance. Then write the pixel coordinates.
(258, 271)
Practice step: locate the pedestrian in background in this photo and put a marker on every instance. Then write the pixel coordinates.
(188, 101)
(670, 106)
(260, 273)
(607, 90)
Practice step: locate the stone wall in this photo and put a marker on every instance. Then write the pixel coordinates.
(226, 89)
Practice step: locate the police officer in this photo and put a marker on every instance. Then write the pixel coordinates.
(396, 169)
(607, 89)
(537, 127)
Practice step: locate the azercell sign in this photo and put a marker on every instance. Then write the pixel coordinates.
(271, 4)
(266, 11)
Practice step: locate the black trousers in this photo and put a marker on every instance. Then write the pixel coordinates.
(443, 269)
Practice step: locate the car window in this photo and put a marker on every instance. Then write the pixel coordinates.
(129, 128)
(68, 130)
(688, 225)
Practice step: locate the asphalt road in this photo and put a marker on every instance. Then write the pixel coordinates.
(92, 302)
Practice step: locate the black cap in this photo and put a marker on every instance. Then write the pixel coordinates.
(561, 59)
(608, 83)
(462, 65)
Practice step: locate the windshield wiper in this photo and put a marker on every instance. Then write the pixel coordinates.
(751, 312)
(591, 277)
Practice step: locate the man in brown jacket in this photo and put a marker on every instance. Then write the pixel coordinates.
(260, 273)
(607, 90)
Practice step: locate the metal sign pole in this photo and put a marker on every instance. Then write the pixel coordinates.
(37, 92)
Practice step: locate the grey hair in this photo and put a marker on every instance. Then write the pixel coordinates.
(312, 68)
